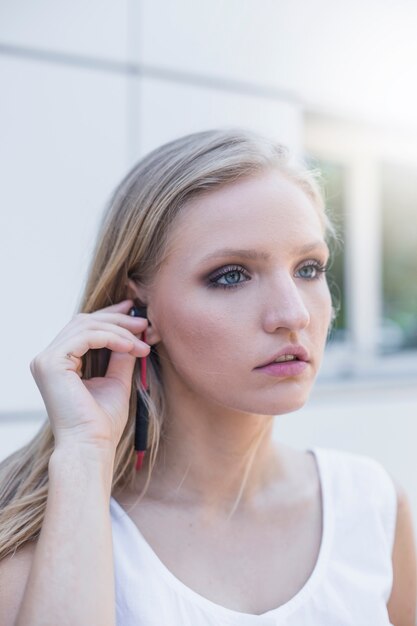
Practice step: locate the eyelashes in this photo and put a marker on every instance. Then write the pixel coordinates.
(237, 269)
(319, 268)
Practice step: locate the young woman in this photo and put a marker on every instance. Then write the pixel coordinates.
(226, 243)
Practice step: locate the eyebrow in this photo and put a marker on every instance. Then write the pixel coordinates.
(264, 256)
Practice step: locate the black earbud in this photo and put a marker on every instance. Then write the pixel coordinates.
(138, 311)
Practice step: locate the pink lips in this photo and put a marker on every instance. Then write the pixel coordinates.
(287, 368)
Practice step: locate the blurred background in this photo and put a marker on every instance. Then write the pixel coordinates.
(88, 88)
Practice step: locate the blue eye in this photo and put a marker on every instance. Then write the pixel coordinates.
(232, 271)
(316, 266)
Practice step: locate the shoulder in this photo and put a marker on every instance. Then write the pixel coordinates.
(357, 463)
(361, 486)
(344, 463)
(365, 480)
(402, 602)
(360, 471)
(14, 572)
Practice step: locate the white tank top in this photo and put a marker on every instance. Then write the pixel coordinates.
(349, 586)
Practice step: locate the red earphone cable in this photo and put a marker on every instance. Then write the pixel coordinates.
(141, 453)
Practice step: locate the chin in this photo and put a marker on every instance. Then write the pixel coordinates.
(291, 408)
(278, 407)
(291, 403)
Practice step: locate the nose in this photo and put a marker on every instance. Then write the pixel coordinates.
(285, 306)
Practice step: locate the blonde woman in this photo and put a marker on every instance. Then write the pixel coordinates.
(226, 243)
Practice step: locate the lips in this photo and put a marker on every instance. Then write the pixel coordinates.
(297, 350)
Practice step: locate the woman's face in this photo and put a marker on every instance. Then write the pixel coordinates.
(219, 315)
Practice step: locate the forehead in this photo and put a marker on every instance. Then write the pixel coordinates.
(266, 210)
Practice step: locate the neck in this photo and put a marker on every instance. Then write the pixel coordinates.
(206, 455)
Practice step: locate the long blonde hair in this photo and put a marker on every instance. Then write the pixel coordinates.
(130, 244)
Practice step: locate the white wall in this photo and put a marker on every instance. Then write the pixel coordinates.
(63, 148)
(169, 109)
(351, 58)
(97, 30)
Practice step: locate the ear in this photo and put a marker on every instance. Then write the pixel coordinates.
(140, 296)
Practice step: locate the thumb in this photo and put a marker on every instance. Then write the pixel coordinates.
(121, 366)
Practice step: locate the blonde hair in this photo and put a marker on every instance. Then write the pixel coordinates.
(130, 244)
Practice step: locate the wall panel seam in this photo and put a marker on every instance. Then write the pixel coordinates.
(150, 71)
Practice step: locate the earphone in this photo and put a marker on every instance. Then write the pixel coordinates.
(142, 413)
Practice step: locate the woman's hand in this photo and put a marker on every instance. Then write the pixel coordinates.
(94, 411)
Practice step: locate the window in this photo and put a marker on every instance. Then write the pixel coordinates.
(333, 178)
(399, 251)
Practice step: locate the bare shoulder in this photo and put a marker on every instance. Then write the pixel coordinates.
(402, 602)
(14, 571)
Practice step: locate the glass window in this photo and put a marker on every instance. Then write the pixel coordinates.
(333, 179)
(399, 250)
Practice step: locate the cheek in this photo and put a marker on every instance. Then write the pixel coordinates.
(197, 336)
(321, 310)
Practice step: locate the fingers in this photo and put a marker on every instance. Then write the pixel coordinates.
(123, 324)
(91, 407)
(126, 333)
(122, 307)
(108, 328)
(93, 339)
